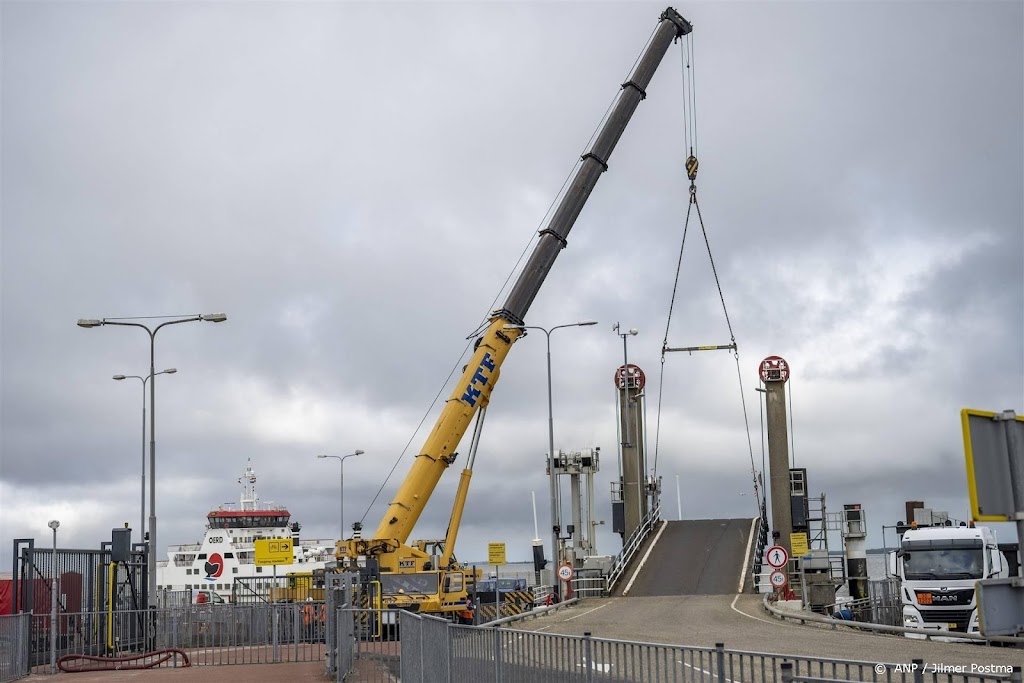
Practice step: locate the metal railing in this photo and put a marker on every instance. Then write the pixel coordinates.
(14, 646)
(631, 546)
(209, 634)
(422, 648)
(804, 616)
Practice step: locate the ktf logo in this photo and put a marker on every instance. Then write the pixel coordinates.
(479, 378)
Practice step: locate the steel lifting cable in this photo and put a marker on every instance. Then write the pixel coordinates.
(690, 139)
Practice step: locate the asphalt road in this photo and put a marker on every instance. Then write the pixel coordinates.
(741, 623)
(692, 557)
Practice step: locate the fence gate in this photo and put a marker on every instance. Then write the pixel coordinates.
(84, 584)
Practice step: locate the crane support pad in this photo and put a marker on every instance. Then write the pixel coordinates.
(719, 347)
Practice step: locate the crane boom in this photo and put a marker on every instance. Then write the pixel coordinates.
(595, 162)
(474, 388)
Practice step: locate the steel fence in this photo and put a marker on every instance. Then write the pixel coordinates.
(14, 646)
(424, 649)
(208, 634)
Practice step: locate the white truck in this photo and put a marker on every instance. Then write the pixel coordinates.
(938, 567)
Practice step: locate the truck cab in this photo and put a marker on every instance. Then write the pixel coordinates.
(938, 567)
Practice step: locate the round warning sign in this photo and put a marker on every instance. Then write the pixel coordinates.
(565, 572)
(777, 556)
(630, 376)
(774, 369)
(778, 579)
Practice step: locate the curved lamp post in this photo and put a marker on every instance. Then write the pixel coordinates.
(341, 504)
(92, 322)
(556, 506)
(142, 508)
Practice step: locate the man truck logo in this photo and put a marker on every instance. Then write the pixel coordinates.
(938, 598)
(479, 378)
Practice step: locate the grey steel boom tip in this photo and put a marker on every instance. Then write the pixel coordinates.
(676, 18)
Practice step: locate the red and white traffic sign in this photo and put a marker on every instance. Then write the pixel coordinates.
(777, 556)
(774, 369)
(565, 572)
(630, 376)
(778, 579)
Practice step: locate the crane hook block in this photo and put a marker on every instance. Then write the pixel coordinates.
(691, 167)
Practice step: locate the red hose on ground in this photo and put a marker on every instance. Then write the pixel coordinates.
(147, 660)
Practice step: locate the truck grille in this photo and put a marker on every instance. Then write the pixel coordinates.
(960, 617)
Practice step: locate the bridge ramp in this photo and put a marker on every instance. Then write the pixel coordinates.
(691, 557)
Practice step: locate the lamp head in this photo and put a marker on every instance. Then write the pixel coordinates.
(321, 456)
(119, 377)
(89, 322)
(359, 452)
(169, 371)
(214, 317)
(53, 524)
(586, 323)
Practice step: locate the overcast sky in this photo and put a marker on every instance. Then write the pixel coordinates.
(353, 183)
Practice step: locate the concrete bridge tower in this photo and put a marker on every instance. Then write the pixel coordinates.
(774, 372)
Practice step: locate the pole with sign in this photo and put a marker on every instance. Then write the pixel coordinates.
(272, 551)
(777, 556)
(994, 450)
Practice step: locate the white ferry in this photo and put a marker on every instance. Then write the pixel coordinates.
(226, 552)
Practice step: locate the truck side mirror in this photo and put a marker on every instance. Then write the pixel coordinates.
(893, 568)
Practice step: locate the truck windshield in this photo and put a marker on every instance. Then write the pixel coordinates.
(392, 584)
(943, 563)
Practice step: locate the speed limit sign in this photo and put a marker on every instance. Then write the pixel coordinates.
(565, 572)
(778, 579)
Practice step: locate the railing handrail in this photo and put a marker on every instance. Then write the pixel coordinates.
(631, 546)
(866, 625)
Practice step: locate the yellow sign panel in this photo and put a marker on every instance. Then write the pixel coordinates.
(496, 553)
(273, 551)
(987, 451)
(798, 541)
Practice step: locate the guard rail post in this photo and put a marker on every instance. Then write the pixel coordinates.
(497, 655)
(918, 667)
(720, 661)
(787, 672)
(1015, 676)
(274, 614)
(588, 655)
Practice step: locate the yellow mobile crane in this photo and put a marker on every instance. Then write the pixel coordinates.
(425, 576)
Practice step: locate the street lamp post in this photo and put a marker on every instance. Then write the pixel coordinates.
(53, 524)
(556, 512)
(341, 504)
(91, 322)
(142, 507)
(627, 420)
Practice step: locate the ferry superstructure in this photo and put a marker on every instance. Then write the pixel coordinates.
(227, 550)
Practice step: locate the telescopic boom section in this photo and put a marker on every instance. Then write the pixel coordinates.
(595, 162)
(477, 382)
